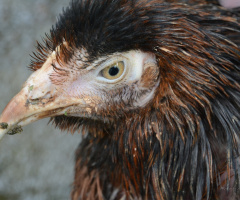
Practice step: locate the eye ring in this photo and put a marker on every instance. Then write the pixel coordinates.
(113, 71)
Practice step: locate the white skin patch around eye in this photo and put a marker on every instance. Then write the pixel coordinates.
(85, 83)
(138, 60)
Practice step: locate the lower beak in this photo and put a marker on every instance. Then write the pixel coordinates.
(38, 99)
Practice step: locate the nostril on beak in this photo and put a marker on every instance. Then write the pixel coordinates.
(38, 92)
(39, 98)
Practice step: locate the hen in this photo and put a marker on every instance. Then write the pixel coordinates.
(153, 86)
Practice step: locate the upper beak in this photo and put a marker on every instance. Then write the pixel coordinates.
(39, 98)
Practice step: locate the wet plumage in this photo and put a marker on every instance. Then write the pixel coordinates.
(167, 127)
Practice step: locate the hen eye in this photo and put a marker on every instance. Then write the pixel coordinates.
(113, 71)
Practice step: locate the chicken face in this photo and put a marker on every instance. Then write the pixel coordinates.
(97, 90)
(88, 68)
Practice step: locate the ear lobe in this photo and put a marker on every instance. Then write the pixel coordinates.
(150, 75)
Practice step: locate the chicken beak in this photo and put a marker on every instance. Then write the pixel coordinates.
(38, 99)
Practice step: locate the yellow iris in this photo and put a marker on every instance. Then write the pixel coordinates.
(113, 71)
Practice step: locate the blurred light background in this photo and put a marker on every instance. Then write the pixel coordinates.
(37, 164)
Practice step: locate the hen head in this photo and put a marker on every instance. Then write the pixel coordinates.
(158, 79)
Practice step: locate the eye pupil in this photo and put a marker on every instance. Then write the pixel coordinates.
(113, 71)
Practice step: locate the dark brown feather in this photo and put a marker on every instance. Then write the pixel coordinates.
(181, 143)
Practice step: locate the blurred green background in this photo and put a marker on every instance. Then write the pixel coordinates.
(37, 164)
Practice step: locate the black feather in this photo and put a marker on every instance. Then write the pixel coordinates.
(178, 146)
